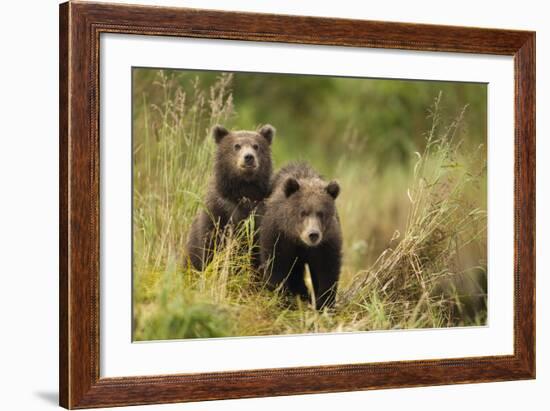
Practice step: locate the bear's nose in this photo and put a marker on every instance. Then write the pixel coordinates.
(313, 237)
(249, 159)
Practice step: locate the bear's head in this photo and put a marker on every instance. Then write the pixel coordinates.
(244, 155)
(311, 208)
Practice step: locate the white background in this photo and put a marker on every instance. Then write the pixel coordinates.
(29, 217)
(119, 357)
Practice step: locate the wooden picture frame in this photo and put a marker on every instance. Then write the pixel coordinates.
(80, 27)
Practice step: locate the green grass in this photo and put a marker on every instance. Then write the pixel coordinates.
(414, 240)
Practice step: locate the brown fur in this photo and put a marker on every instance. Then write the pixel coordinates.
(236, 189)
(302, 206)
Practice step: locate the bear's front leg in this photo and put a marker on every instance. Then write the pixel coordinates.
(278, 259)
(296, 283)
(324, 265)
(202, 240)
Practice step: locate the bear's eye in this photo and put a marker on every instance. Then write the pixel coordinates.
(320, 214)
(303, 213)
(237, 147)
(255, 147)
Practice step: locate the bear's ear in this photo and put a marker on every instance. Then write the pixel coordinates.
(268, 132)
(291, 186)
(219, 132)
(333, 189)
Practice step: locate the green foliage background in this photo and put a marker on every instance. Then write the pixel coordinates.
(366, 133)
(317, 116)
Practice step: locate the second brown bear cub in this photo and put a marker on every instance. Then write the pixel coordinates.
(241, 181)
(300, 226)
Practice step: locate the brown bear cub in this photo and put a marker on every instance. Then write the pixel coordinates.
(241, 181)
(300, 226)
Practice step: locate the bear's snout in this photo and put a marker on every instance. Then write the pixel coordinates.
(314, 237)
(248, 159)
(311, 234)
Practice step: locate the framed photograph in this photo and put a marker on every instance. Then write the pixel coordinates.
(260, 205)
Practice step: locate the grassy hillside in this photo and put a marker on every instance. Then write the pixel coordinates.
(412, 203)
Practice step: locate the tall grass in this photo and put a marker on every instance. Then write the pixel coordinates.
(415, 276)
(171, 160)
(428, 273)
